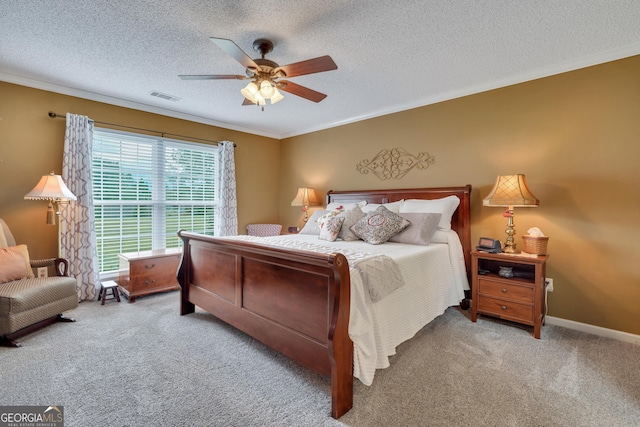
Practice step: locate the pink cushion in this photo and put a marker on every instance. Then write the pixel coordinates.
(12, 265)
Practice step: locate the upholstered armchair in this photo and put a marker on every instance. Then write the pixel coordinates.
(264, 230)
(27, 302)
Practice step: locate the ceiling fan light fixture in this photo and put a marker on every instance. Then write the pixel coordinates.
(250, 91)
(277, 96)
(265, 73)
(266, 89)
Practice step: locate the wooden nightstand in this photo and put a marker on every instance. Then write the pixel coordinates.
(519, 299)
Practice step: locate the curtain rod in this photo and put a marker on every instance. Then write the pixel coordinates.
(162, 134)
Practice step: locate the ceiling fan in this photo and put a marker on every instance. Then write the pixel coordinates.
(266, 76)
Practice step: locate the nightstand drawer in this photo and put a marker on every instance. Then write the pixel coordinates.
(518, 299)
(502, 289)
(506, 309)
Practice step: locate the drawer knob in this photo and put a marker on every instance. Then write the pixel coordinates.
(504, 290)
(146, 282)
(504, 307)
(149, 266)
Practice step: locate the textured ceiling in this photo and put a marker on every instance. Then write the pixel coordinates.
(391, 55)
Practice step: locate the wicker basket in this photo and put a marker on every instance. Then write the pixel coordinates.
(535, 245)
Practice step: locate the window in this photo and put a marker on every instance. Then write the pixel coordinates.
(147, 188)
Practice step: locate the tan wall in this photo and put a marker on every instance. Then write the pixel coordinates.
(31, 145)
(575, 136)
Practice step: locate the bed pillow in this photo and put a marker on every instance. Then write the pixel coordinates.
(441, 236)
(379, 226)
(331, 228)
(311, 226)
(445, 206)
(422, 228)
(335, 212)
(12, 264)
(393, 206)
(350, 218)
(346, 206)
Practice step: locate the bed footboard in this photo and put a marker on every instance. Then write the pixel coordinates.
(296, 302)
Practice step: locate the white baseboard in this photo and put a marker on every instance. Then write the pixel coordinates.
(595, 330)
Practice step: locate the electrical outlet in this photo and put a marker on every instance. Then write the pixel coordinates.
(43, 272)
(548, 283)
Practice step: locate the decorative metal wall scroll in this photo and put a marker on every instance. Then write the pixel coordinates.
(394, 163)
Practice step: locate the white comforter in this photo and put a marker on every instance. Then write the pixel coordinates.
(434, 279)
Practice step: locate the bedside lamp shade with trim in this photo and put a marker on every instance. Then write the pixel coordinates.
(510, 191)
(306, 197)
(52, 188)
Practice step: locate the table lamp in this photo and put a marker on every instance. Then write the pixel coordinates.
(510, 191)
(306, 197)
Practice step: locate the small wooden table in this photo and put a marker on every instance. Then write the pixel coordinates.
(148, 272)
(520, 298)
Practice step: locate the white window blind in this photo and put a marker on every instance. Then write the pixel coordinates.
(145, 189)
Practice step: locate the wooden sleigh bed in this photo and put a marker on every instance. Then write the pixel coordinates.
(295, 301)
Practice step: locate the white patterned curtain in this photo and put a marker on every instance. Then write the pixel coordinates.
(226, 214)
(77, 224)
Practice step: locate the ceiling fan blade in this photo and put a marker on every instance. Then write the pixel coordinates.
(310, 66)
(212, 77)
(301, 91)
(233, 50)
(247, 102)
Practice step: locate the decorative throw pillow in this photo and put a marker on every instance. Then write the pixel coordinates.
(12, 265)
(379, 226)
(335, 212)
(346, 206)
(331, 228)
(22, 249)
(350, 218)
(392, 206)
(442, 236)
(311, 226)
(3, 239)
(422, 227)
(445, 206)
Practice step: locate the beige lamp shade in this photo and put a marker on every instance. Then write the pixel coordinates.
(305, 197)
(511, 191)
(50, 187)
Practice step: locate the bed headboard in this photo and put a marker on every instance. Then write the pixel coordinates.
(460, 222)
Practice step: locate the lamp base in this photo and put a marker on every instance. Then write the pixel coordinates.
(509, 243)
(509, 249)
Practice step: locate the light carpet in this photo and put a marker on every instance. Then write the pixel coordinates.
(143, 364)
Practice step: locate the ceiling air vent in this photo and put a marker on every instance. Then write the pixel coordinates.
(164, 96)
